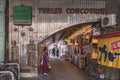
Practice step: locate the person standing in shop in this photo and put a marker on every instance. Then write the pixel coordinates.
(45, 63)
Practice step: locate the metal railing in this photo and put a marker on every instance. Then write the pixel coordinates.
(8, 72)
(15, 64)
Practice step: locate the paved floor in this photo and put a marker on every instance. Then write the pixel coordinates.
(61, 70)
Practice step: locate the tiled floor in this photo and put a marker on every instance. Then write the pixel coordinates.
(61, 70)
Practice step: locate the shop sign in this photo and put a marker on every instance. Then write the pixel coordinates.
(109, 52)
(22, 15)
(71, 10)
(115, 45)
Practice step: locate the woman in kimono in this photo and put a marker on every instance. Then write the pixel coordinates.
(45, 63)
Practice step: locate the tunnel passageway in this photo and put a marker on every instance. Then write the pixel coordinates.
(62, 70)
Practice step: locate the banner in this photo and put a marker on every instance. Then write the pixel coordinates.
(109, 52)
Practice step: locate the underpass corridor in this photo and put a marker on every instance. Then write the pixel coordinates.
(61, 70)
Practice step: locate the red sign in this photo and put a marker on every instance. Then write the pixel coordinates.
(115, 45)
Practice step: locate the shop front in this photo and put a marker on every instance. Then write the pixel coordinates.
(109, 54)
(80, 46)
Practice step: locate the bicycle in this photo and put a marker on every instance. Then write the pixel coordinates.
(92, 73)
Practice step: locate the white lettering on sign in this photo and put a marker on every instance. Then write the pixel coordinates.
(115, 45)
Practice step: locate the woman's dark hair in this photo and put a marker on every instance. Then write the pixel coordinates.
(45, 48)
(45, 53)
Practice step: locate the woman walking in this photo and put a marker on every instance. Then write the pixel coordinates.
(45, 63)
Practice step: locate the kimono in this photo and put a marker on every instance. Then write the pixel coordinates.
(45, 64)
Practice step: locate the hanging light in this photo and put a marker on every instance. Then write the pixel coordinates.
(76, 42)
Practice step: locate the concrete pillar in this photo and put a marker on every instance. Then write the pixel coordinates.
(111, 7)
(118, 14)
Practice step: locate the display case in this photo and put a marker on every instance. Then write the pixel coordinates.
(82, 63)
(77, 60)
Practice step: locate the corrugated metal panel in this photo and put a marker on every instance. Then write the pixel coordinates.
(64, 19)
(44, 24)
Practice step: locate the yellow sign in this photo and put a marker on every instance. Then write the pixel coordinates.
(109, 52)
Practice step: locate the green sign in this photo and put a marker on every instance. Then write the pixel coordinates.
(22, 15)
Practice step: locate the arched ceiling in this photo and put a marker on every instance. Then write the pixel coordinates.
(68, 32)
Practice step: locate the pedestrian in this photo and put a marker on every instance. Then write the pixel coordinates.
(45, 63)
(57, 52)
(53, 52)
